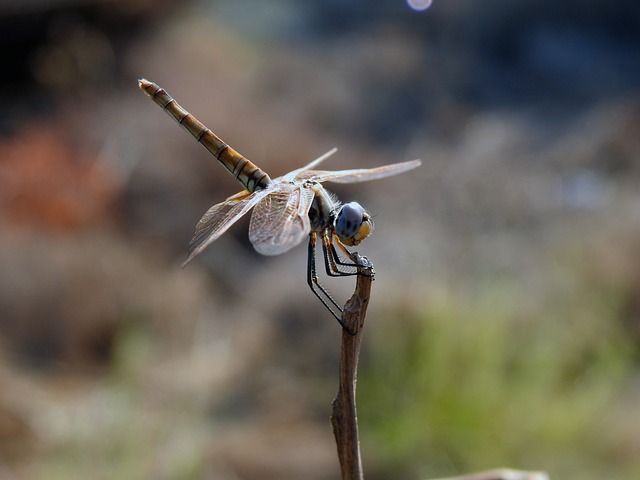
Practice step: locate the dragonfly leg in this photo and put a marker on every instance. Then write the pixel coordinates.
(332, 260)
(312, 278)
(317, 288)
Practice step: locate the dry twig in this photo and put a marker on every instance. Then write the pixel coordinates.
(344, 419)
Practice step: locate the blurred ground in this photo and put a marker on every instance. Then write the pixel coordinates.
(505, 322)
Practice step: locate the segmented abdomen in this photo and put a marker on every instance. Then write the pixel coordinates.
(247, 173)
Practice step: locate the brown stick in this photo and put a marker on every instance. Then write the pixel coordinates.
(344, 418)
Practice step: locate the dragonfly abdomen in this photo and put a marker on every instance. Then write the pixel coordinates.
(247, 173)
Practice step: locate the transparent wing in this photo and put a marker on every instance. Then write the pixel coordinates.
(358, 174)
(281, 220)
(219, 218)
(289, 177)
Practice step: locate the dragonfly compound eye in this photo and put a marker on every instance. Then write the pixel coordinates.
(353, 224)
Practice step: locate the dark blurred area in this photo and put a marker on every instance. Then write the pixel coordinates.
(504, 327)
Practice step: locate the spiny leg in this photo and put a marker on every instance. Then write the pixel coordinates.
(332, 259)
(317, 288)
(312, 278)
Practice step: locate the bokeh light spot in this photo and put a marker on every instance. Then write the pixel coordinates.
(419, 5)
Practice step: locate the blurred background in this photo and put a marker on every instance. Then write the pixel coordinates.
(504, 326)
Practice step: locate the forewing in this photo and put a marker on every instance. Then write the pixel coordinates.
(281, 220)
(358, 174)
(219, 218)
(289, 177)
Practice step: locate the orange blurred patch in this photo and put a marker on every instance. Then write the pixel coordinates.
(46, 181)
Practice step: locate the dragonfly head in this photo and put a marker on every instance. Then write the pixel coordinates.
(353, 224)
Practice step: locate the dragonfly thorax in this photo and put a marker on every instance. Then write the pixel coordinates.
(350, 222)
(323, 209)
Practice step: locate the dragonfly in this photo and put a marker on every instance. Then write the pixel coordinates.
(286, 210)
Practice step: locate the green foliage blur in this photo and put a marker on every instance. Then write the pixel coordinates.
(466, 384)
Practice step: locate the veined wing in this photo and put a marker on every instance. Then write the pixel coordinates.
(219, 218)
(281, 220)
(358, 174)
(289, 177)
